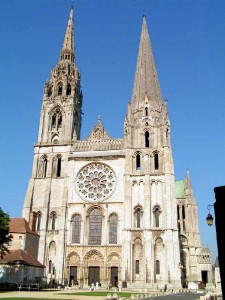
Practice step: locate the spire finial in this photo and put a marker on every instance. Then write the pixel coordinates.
(99, 119)
(67, 52)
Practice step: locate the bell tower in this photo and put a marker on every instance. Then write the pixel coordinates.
(150, 234)
(60, 120)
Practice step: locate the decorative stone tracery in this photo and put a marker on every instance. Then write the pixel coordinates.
(96, 182)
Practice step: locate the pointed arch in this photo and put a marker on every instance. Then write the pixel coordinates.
(42, 166)
(156, 160)
(138, 212)
(76, 229)
(146, 111)
(53, 217)
(95, 227)
(57, 164)
(59, 88)
(137, 160)
(56, 118)
(113, 228)
(38, 221)
(156, 212)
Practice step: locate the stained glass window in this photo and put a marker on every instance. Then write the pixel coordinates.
(113, 223)
(95, 227)
(76, 227)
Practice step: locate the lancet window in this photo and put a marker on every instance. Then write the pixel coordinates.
(156, 212)
(56, 119)
(60, 88)
(38, 221)
(68, 89)
(156, 161)
(147, 142)
(53, 217)
(42, 167)
(113, 228)
(76, 229)
(95, 227)
(138, 161)
(57, 163)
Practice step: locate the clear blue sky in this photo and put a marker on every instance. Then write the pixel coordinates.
(188, 39)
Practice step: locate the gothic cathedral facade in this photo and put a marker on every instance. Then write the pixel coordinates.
(109, 209)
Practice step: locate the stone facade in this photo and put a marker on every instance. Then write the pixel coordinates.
(107, 209)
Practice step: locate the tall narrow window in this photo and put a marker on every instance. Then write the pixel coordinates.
(56, 119)
(53, 219)
(76, 229)
(113, 224)
(156, 161)
(147, 139)
(157, 267)
(95, 227)
(45, 164)
(58, 171)
(138, 218)
(157, 217)
(38, 221)
(50, 267)
(178, 212)
(68, 89)
(138, 162)
(137, 267)
(146, 111)
(60, 87)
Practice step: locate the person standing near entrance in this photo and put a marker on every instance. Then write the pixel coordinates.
(96, 285)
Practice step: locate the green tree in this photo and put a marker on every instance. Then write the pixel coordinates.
(5, 237)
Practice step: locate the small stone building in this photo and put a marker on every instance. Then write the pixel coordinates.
(20, 263)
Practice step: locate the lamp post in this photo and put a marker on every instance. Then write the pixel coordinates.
(209, 217)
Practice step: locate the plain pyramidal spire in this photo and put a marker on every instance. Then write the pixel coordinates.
(146, 80)
(67, 52)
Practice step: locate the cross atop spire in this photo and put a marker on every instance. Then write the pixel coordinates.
(67, 52)
(146, 80)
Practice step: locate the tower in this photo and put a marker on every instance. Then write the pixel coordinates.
(150, 229)
(60, 123)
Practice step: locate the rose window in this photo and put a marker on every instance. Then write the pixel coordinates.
(96, 182)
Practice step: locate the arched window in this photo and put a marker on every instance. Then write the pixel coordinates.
(157, 267)
(49, 91)
(157, 217)
(138, 161)
(53, 220)
(45, 165)
(38, 221)
(146, 139)
(138, 218)
(68, 89)
(56, 119)
(76, 229)
(137, 266)
(146, 111)
(113, 224)
(95, 227)
(156, 161)
(57, 162)
(60, 88)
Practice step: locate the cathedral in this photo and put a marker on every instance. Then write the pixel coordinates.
(108, 209)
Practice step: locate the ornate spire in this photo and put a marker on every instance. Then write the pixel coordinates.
(188, 186)
(67, 52)
(146, 80)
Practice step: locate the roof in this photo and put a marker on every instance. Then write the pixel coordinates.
(20, 255)
(180, 192)
(20, 225)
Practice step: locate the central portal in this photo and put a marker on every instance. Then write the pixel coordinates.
(93, 275)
